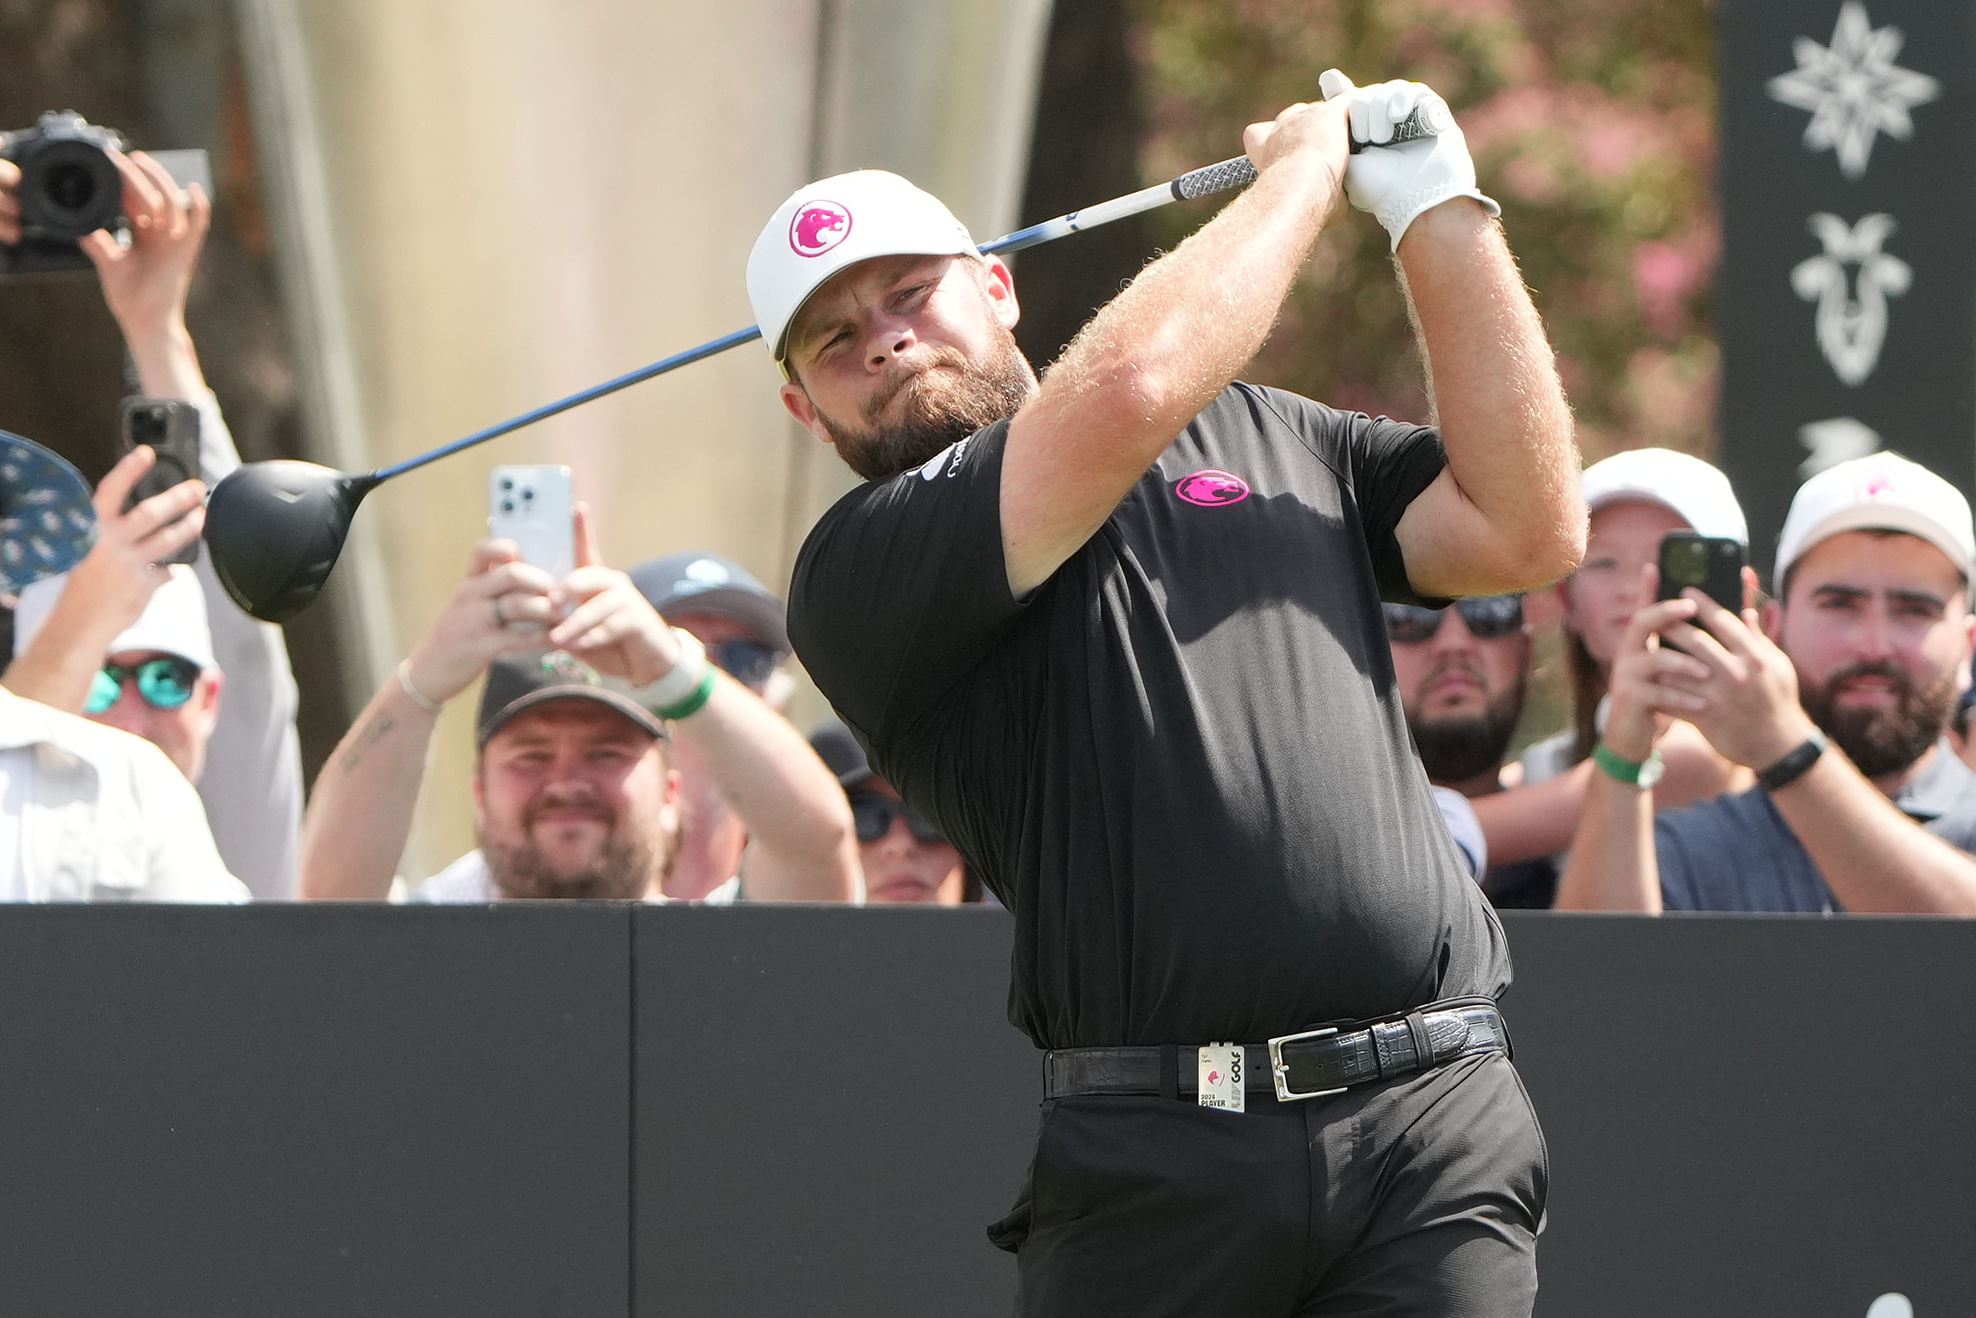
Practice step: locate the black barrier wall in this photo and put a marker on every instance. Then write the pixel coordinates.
(606, 1110)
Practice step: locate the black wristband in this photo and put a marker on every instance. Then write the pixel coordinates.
(1795, 761)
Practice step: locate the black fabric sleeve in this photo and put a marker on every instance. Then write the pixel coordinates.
(902, 587)
(1385, 463)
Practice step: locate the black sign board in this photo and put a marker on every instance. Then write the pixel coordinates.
(1847, 298)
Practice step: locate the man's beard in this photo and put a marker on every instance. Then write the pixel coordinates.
(1883, 741)
(1457, 747)
(622, 869)
(937, 411)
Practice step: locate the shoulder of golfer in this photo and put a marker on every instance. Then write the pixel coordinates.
(1161, 350)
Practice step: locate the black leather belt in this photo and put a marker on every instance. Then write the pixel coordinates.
(1307, 1064)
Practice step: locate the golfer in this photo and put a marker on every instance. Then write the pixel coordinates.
(1118, 634)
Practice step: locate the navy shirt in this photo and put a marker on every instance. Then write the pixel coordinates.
(1181, 762)
(1736, 853)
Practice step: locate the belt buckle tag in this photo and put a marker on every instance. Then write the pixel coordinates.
(1219, 1082)
(1280, 1073)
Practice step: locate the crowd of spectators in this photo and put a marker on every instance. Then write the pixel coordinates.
(1805, 753)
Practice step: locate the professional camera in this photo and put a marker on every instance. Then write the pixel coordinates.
(70, 188)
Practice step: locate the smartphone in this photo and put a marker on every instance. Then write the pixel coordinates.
(1711, 563)
(534, 507)
(171, 427)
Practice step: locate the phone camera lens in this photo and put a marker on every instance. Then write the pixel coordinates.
(507, 482)
(528, 494)
(507, 505)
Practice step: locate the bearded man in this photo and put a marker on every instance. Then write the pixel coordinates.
(1838, 698)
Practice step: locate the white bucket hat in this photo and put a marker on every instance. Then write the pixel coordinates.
(834, 223)
(174, 622)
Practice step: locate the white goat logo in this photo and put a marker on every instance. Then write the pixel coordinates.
(1851, 327)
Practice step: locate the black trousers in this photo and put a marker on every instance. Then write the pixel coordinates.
(1418, 1196)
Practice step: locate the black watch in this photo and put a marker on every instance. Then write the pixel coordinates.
(1793, 764)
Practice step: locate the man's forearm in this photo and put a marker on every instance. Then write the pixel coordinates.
(1502, 412)
(167, 363)
(1874, 858)
(801, 846)
(1149, 362)
(360, 813)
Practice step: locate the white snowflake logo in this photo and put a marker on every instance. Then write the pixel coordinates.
(1853, 88)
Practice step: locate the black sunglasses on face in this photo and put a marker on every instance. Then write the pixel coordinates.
(1488, 618)
(748, 662)
(873, 816)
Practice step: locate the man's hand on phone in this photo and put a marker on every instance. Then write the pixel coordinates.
(115, 579)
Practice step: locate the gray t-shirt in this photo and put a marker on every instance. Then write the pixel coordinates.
(1736, 853)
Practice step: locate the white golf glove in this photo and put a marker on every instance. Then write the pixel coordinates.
(1396, 183)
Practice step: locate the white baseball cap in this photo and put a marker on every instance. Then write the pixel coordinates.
(1697, 492)
(174, 622)
(834, 223)
(1879, 492)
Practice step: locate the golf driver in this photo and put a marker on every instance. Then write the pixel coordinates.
(276, 528)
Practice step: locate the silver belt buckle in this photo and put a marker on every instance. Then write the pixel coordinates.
(1280, 1075)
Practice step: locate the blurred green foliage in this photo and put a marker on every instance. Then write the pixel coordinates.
(1593, 125)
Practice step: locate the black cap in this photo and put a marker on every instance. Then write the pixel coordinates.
(840, 753)
(516, 682)
(702, 582)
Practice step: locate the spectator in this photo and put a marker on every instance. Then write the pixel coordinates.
(1462, 674)
(252, 782)
(745, 630)
(87, 813)
(1839, 700)
(904, 856)
(795, 826)
(573, 793)
(1635, 498)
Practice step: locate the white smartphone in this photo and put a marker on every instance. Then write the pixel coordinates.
(533, 506)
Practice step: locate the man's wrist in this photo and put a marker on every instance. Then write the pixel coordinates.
(679, 682)
(1792, 764)
(1642, 773)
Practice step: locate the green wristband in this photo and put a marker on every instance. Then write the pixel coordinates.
(1634, 773)
(690, 706)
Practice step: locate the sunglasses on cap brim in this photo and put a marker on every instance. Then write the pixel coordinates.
(1487, 617)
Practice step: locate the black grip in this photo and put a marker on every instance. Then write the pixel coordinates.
(1426, 120)
(1234, 173)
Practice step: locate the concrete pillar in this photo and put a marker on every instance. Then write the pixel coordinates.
(493, 204)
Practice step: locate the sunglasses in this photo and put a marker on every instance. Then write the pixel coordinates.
(1488, 618)
(873, 816)
(165, 683)
(748, 662)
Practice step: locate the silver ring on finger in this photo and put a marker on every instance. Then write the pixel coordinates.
(500, 619)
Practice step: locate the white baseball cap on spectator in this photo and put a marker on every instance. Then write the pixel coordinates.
(1879, 492)
(173, 623)
(834, 223)
(1697, 492)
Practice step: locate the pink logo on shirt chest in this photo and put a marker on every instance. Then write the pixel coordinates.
(1211, 488)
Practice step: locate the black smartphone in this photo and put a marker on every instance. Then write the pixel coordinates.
(171, 426)
(1711, 563)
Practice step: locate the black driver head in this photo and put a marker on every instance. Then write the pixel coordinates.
(275, 530)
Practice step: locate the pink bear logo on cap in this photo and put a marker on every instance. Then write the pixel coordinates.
(1212, 488)
(817, 227)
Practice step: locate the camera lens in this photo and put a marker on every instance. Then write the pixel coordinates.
(507, 505)
(69, 188)
(507, 482)
(528, 494)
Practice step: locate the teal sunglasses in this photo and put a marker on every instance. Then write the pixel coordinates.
(165, 683)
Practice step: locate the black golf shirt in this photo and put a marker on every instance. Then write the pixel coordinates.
(1181, 762)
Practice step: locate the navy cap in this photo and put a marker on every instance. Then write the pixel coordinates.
(701, 582)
